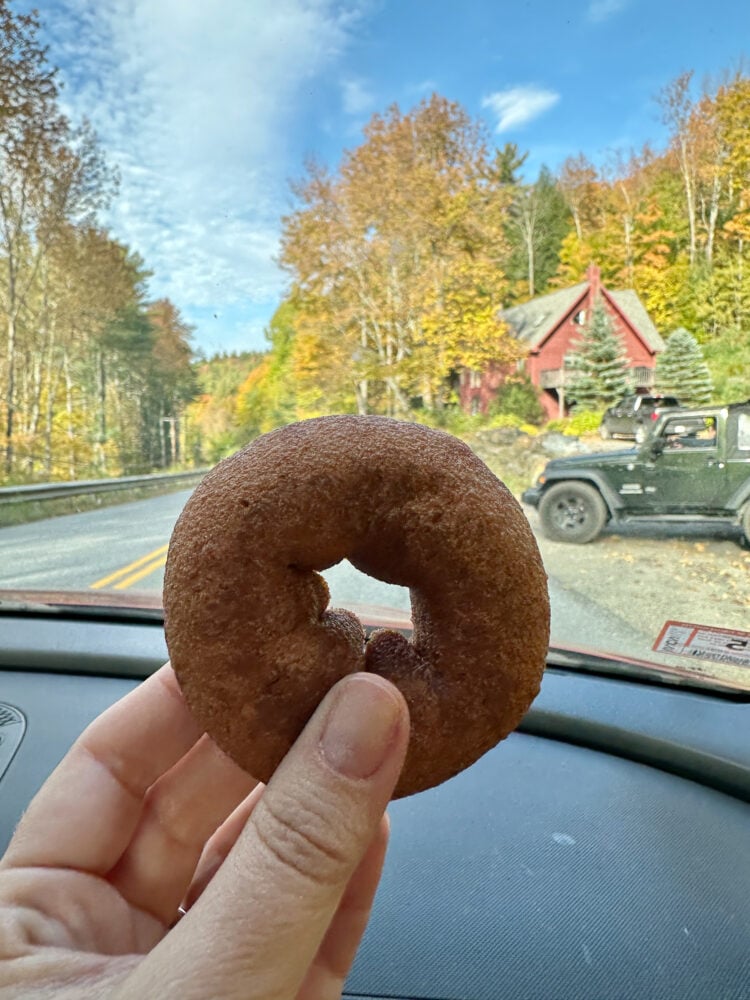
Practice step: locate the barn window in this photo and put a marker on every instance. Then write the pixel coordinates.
(475, 407)
(580, 317)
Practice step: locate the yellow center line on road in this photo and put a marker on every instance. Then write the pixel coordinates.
(129, 569)
(135, 577)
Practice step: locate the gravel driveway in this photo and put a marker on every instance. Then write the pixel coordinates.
(652, 573)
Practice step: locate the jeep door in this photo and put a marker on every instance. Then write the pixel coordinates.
(690, 474)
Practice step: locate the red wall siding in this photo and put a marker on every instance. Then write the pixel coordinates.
(491, 380)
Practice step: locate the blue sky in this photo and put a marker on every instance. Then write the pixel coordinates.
(209, 109)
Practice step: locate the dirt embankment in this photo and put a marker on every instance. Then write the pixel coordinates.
(518, 458)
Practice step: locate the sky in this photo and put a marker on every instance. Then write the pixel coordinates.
(210, 109)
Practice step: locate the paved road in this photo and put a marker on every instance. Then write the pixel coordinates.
(124, 548)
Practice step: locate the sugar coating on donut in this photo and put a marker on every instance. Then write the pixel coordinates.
(250, 635)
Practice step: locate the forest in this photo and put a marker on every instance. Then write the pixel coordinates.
(398, 265)
(94, 377)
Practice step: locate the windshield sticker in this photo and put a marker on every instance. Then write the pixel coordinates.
(703, 642)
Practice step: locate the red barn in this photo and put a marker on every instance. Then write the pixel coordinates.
(550, 327)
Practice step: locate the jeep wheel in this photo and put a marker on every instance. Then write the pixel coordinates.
(572, 512)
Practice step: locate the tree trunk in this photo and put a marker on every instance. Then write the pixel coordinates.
(101, 416)
(576, 213)
(69, 413)
(689, 197)
(530, 258)
(49, 408)
(739, 297)
(35, 410)
(49, 412)
(361, 388)
(163, 439)
(628, 229)
(10, 395)
(176, 437)
(713, 214)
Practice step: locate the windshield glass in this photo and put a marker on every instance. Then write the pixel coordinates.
(529, 227)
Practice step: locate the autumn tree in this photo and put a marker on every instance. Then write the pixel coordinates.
(538, 221)
(396, 264)
(577, 180)
(214, 427)
(676, 104)
(171, 384)
(266, 398)
(50, 174)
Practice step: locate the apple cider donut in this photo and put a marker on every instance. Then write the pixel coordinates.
(253, 643)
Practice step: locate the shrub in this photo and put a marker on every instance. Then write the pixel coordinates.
(518, 398)
(585, 422)
(451, 419)
(500, 420)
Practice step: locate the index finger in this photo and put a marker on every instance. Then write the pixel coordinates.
(86, 812)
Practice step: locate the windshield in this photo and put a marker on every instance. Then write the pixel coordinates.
(529, 227)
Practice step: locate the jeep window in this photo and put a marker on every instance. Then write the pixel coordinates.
(699, 432)
(743, 432)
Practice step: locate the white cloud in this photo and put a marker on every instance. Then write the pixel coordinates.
(195, 103)
(356, 97)
(519, 105)
(602, 10)
(422, 88)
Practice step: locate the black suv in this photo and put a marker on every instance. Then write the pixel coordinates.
(633, 415)
(695, 465)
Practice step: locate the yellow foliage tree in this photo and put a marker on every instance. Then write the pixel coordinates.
(397, 264)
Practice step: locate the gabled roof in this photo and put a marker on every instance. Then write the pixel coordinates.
(532, 322)
(633, 309)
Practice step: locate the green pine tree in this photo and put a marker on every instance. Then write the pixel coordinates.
(681, 370)
(598, 366)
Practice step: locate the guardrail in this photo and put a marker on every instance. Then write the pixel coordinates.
(89, 487)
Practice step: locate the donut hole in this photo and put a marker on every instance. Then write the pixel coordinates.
(348, 583)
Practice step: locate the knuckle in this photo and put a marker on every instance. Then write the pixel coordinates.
(302, 839)
(173, 826)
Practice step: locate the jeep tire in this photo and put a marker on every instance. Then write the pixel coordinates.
(572, 512)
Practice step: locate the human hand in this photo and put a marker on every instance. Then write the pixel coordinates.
(145, 813)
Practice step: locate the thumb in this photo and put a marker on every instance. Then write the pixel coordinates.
(258, 926)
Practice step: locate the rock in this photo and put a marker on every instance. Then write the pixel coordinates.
(557, 444)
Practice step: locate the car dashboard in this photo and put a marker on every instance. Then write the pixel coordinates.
(601, 851)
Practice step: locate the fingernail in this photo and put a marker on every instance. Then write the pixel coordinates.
(361, 726)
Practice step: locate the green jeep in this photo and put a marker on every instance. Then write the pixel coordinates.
(693, 466)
